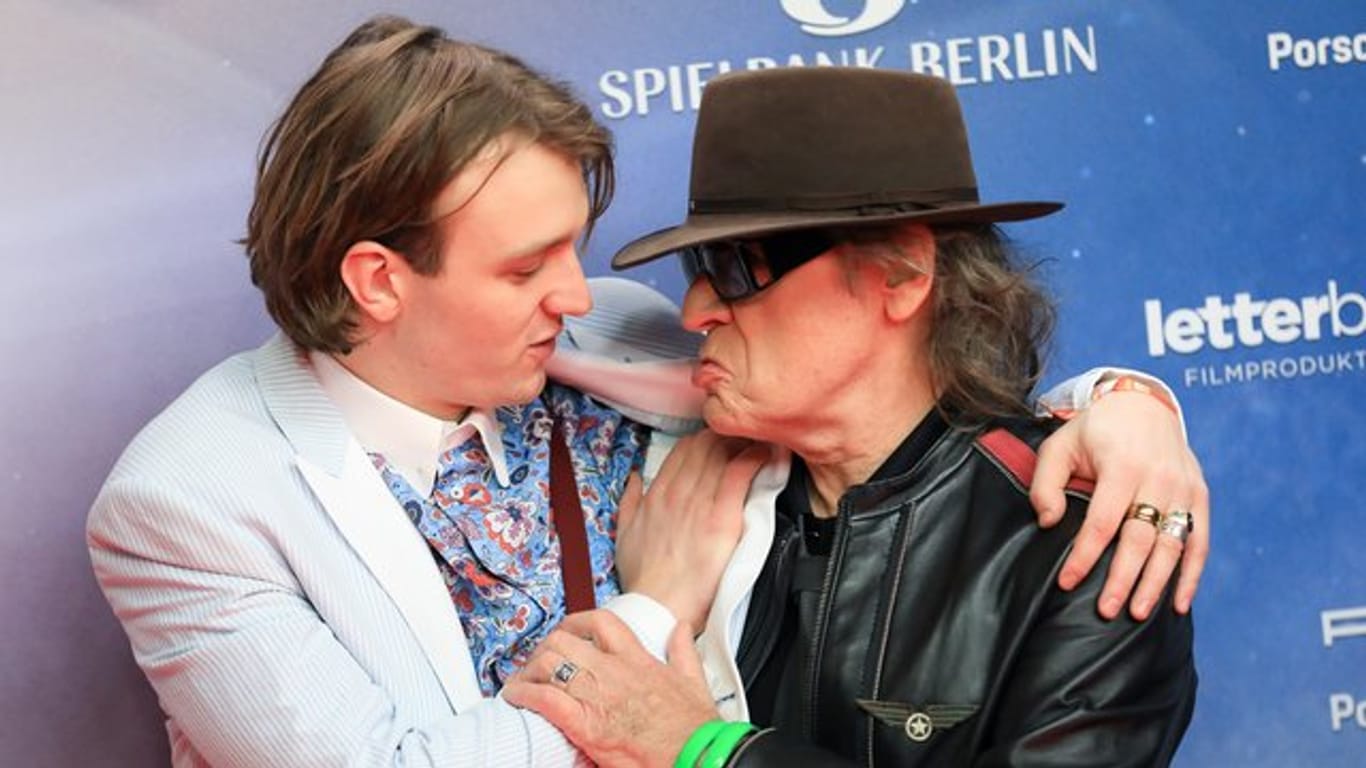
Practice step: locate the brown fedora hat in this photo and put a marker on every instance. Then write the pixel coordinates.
(783, 149)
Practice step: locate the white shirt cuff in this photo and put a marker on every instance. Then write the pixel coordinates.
(1075, 393)
(651, 622)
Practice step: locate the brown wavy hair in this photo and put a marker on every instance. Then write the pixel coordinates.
(993, 324)
(366, 145)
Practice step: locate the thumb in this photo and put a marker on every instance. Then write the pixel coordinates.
(630, 501)
(682, 654)
(1057, 462)
(740, 473)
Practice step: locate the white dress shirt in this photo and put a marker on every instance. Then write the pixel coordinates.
(412, 442)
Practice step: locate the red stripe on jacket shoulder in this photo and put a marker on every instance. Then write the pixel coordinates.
(1016, 457)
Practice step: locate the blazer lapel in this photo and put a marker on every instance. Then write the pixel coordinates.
(353, 494)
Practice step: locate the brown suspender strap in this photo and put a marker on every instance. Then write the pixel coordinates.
(566, 513)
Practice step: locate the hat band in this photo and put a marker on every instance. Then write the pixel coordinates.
(865, 204)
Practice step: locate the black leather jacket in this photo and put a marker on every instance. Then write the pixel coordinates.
(941, 638)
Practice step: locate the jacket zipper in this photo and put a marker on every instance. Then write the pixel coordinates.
(822, 618)
(906, 523)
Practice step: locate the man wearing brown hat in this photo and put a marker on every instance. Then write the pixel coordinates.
(863, 311)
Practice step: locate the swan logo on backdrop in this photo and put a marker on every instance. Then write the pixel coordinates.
(1246, 321)
(816, 19)
(994, 57)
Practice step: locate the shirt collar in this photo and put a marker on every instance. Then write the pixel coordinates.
(795, 500)
(409, 440)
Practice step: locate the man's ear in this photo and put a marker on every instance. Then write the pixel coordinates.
(374, 274)
(907, 287)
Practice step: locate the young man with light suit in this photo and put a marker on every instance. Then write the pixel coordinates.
(333, 550)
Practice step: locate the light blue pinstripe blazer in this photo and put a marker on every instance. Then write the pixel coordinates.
(277, 597)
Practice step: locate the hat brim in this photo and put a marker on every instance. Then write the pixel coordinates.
(703, 228)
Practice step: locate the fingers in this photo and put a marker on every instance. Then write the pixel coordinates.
(727, 510)
(690, 455)
(616, 711)
(1056, 465)
(669, 469)
(677, 544)
(548, 701)
(1135, 545)
(1197, 546)
(740, 472)
(1140, 551)
(1166, 553)
(557, 688)
(556, 649)
(692, 468)
(1139, 455)
(603, 630)
(1114, 490)
(709, 470)
(1146, 556)
(1170, 491)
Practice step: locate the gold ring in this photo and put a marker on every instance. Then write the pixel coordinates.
(1144, 512)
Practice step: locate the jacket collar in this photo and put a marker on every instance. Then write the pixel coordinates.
(904, 468)
(308, 419)
(354, 496)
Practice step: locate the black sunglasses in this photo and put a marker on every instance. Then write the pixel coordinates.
(738, 269)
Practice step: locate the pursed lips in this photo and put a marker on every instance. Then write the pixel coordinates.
(707, 371)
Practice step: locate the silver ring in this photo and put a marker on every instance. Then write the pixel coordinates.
(1178, 524)
(564, 672)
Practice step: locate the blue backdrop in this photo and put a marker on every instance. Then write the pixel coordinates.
(1213, 157)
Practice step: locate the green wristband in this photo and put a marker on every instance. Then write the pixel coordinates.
(698, 742)
(718, 752)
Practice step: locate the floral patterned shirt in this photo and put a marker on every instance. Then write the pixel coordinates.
(495, 545)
